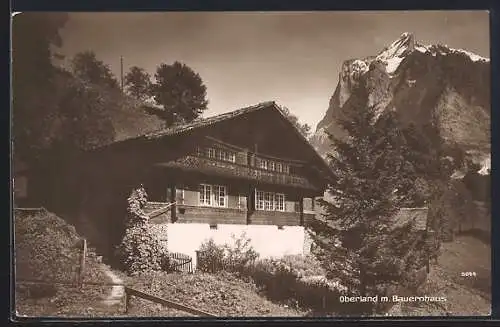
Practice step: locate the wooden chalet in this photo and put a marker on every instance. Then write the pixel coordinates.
(247, 167)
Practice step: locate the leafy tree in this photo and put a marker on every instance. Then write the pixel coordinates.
(35, 36)
(82, 121)
(181, 93)
(87, 67)
(305, 129)
(372, 180)
(138, 83)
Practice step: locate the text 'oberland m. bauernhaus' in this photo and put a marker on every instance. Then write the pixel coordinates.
(394, 298)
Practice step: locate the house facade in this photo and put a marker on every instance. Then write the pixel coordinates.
(249, 172)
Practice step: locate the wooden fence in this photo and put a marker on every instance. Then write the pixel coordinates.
(129, 293)
(181, 262)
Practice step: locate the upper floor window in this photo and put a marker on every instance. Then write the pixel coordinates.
(219, 154)
(279, 167)
(272, 165)
(263, 164)
(211, 152)
(226, 155)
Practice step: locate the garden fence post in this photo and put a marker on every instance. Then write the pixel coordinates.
(127, 300)
(82, 263)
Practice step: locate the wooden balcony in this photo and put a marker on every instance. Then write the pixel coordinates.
(229, 169)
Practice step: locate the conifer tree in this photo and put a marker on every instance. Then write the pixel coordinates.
(373, 179)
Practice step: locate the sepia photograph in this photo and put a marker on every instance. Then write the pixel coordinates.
(251, 164)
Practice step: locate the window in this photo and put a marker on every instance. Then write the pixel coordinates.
(223, 155)
(269, 201)
(286, 169)
(263, 164)
(220, 196)
(279, 167)
(279, 200)
(213, 226)
(211, 153)
(259, 200)
(213, 195)
(272, 165)
(205, 195)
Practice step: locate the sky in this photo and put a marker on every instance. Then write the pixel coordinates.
(293, 58)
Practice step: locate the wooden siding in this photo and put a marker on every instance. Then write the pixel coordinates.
(213, 215)
(232, 201)
(291, 206)
(210, 215)
(242, 158)
(228, 169)
(262, 217)
(191, 197)
(308, 204)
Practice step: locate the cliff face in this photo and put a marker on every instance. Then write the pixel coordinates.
(435, 84)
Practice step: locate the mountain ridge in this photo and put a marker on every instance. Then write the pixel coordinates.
(436, 84)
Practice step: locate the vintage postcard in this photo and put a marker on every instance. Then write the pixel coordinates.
(251, 164)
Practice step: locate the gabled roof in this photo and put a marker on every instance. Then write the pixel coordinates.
(204, 122)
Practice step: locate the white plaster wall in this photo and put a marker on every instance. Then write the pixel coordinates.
(267, 240)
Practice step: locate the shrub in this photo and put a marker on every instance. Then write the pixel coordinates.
(232, 258)
(241, 254)
(46, 247)
(140, 249)
(210, 257)
(306, 265)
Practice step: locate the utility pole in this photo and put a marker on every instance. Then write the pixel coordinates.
(121, 72)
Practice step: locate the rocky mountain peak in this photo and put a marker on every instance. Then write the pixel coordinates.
(427, 84)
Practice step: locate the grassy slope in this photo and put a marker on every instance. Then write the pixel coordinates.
(465, 295)
(47, 248)
(45, 240)
(221, 294)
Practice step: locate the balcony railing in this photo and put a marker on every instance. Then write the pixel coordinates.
(230, 169)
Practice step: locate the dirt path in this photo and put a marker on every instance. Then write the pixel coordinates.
(117, 292)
